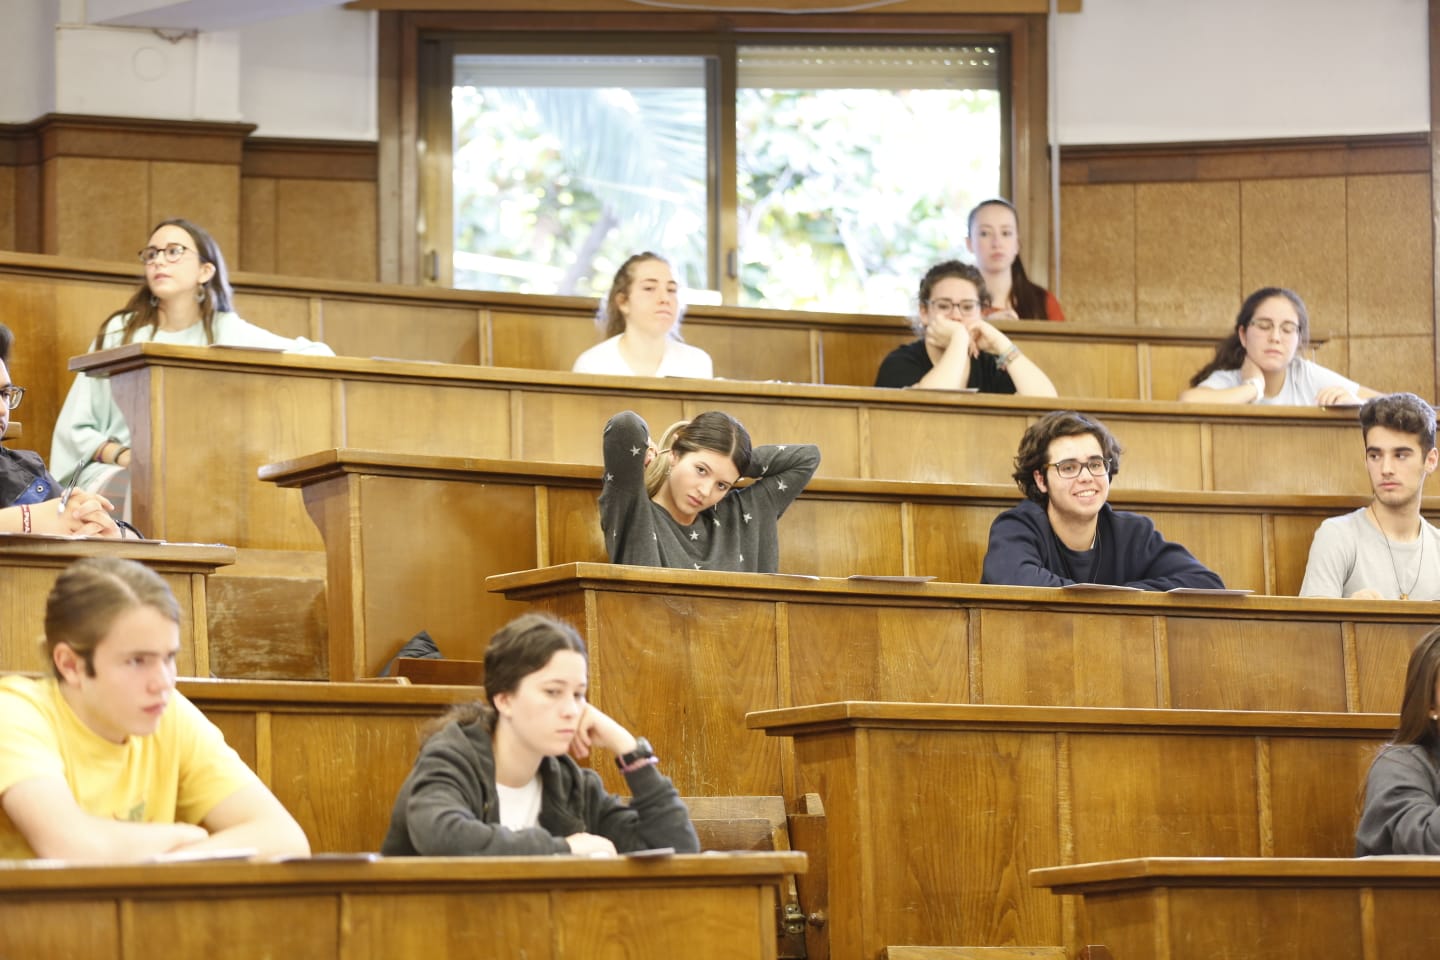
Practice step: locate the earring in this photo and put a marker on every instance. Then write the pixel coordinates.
(154, 300)
(199, 294)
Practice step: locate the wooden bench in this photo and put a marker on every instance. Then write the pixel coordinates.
(936, 813)
(55, 305)
(1173, 908)
(706, 907)
(403, 509)
(29, 566)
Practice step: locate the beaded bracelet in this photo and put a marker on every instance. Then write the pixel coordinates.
(24, 518)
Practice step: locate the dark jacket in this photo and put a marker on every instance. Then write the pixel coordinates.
(1025, 552)
(24, 479)
(448, 805)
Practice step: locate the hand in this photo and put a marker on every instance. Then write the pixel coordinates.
(85, 515)
(1366, 594)
(188, 834)
(123, 460)
(985, 338)
(595, 728)
(589, 845)
(939, 331)
(1335, 395)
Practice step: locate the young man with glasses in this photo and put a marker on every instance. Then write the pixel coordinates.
(29, 496)
(1065, 532)
(1385, 550)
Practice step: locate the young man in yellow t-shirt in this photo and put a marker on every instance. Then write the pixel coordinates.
(106, 761)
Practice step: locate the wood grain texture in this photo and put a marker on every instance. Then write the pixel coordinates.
(1292, 234)
(1098, 252)
(1228, 665)
(1388, 247)
(1187, 260)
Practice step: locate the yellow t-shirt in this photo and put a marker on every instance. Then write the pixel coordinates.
(178, 774)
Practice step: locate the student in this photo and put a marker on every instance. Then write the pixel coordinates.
(1064, 532)
(1260, 363)
(1380, 551)
(495, 779)
(29, 496)
(185, 299)
(641, 320)
(994, 241)
(105, 760)
(673, 505)
(1402, 790)
(958, 348)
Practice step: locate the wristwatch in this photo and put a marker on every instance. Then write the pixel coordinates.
(642, 751)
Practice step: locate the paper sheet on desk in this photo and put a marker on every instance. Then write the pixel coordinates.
(1100, 588)
(194, 856)
(884, 579)
(1210, 591)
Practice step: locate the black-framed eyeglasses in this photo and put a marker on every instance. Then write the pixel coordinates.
(1070, 469)
(171, 252)
(966, 308)
(12, 396)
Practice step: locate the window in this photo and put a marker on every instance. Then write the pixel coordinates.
(847, 170)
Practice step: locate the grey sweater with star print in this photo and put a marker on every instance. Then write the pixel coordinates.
(738, 533)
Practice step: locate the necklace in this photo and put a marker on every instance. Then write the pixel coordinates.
(1419, 567)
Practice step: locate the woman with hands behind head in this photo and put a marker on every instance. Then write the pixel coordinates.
(958, 348)
(495, 780)
(1260, 362)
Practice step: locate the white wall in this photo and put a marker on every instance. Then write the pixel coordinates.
(311, 75)
(1135, 71)
(27, 48)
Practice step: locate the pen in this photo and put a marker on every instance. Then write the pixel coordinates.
(74, 479)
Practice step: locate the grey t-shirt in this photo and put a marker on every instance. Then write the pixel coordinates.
(1304, 379)
(1402, 804)
(1349, 553)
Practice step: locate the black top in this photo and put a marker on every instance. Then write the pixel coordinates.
(24, 479)
(906, 365)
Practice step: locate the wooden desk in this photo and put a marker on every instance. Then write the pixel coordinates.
(333, 753)
(701, 906)
(399, 512)
(272, 407)
(1173, 908)
(30, 564)
(741, 642)
(937, 813)
(55, 305)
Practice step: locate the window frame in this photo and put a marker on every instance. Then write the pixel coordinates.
(417, 49)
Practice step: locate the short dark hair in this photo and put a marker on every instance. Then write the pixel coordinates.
(1034, 450)
(947, 270)
(91, 594)
(7, 340)
(1403, 413)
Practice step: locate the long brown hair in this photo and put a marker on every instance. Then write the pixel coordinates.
(713, 430)
(610, 319)
(1417, 725)
(1230, 352)
(143, 310)
(1027, 298)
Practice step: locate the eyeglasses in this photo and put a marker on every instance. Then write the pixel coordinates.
(1070, 469)
(967, 308)
(12, 396)
(171, 253)
(1287, 327)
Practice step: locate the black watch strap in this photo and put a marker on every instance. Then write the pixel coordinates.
(642, 751)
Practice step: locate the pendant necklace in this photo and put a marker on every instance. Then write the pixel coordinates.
(1419, 568)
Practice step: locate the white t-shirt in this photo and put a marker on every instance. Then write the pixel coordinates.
(520, 806)
(680, 360)
(1349, 554)
(1304, 379)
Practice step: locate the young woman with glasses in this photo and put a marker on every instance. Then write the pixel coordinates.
(184, 299)
(958, 349)
(1065, 532)
(1260, 361)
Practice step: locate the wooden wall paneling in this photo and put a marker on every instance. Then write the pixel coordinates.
(7, 208)
(774, 353)
(833, 538)
(383, 927)
(775, 423)
(1238, 458)
(950, 541)
(573, 527)
(915, 891)
(1394, 363)
(289, 316)
(63, 928)
(1109, 370)
(1187, 260)
(1284, 665)
(257, 251)
(1158, 454)
(873, 652)
(566, 427)
(931, 445)
(384, 416)
(326, 228)
(1064, 658)
(96, 208)
(269, 617)
(1234, 543)
(540, 341)
(1292, 234)
(1382, 650)
(1266, 921)
(1098, 252)
(1172, 366)
(854, 357)
(207, 194)
(1397, 924)
(289, 926)
(722, 656)
(362, 328)
(1291, 550)
(1309, 817)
